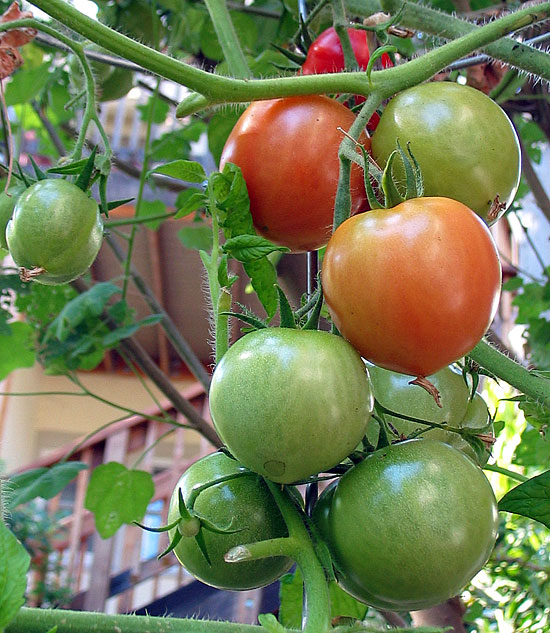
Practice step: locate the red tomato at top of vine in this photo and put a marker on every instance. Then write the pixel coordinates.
(287, 150)
(325, 55)
(415, 287)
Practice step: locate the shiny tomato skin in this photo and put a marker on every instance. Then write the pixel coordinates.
(409, 526)
(290, 403)
(465, 144)
(287, 150)
(394, 392)
(415, 287)
(244, 503)
(325, 55)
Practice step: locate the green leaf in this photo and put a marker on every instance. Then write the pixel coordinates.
(14, 564)
(263, 278)
(42, 482)
(530, 499)
(196, 236)
(160, 110)
(533, 450)
(344, 605)
(186, 170)
(88, 304)
(245, 27)
(152, 208)
(269, 622)
(514, 283)
(291, 594)
(219, 128)
(190, 200)
(118, 496)
(115, 336)
(25, 84)
(250, 248)
(16, 348)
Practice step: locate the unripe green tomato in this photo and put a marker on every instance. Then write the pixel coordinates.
(243, 504)
(7, 203)
(55, 227)
(394, 392)
(290, 403)
(409, 526)
(465, 144)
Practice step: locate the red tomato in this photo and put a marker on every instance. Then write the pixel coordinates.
(415, 287)
(325, 55)
(287, 150)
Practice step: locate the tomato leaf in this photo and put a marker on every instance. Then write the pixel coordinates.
(115, 336)
(291, 593)
(117, 496)
(14, 563)
(197, 236)
(250, 248)
(186, 170)
(344, 605)
(42, 482)
(15, 348)
(90, 303)
(270, 624)
(188, 201)
(530, 499)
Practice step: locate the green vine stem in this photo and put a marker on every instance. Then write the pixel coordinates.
(504, 471)
(42, 620)
(419, 17)
(220, 89)
(341, 24)
(90, 111)
(228, 39)
(528, 382)
(299, 547)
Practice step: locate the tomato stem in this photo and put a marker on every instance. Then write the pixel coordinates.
(317, 601)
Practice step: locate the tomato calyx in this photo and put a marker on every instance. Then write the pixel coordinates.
(423, 382)
(28, 274)
(190, 523)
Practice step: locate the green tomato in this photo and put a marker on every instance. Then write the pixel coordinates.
(409, 526)
(243, 504)
(463, 141)
(394, 392)
(55, 231)
(290, 403)
(7, 203)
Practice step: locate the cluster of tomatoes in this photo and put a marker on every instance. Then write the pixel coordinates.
(411, 289)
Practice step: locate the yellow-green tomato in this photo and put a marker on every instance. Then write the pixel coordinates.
(290, 403)
(55, 232)
(394, 392)
(409, 526)
(245, 506)
(463, 141)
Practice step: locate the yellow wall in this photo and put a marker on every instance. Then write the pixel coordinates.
(31, 426)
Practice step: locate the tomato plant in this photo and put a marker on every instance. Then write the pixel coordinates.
(112, 82)
(287, 150)
(7, 203)
(410, 525)
(394, 392)
(290, 403)
(55, 232)
(415, 287)
(465, 144)
(245, 507)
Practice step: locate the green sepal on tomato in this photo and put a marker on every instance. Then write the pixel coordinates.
(287, 150)
(415, 287)
(395, 392)
(465, 144)
(290, 403)
(409, 526)
(55, 232)
(247, 506)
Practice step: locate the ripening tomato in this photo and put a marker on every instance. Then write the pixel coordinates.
(415, 287)
(287, 150)
(325, 55)
(463, 141)
(409, 526)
